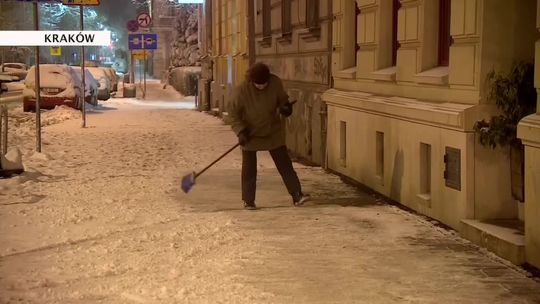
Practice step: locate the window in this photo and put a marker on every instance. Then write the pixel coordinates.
(286, 26)
(266, 40)
(379, 155)
(312, 13)
(444, 32)
(312, 32)
(396, 4)
(267, 16)
(425, 169)
(343, 143)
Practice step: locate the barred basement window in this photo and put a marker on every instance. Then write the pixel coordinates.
(379, 155)
(343, 143)
(425, 170)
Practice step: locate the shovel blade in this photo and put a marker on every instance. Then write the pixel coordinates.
(187, 182)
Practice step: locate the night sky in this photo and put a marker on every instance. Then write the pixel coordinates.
(117, 12)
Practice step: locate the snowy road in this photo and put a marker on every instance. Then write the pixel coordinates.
(99, 217)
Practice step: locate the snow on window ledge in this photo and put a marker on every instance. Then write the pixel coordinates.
(438, 76)
(388, 74)
(349, 73)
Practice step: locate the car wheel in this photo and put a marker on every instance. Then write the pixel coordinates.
(26, 108)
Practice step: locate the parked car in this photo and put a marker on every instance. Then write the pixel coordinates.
(14, 68)
(91, 84)
(104, 91)
(59, 85)
(4, 80)
(113, 78)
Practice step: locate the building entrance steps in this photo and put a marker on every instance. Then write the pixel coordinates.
(504, 238)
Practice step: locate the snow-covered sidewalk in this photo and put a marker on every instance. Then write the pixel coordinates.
(99, 217)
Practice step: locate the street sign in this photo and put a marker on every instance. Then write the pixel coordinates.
(141, 54)
(133, 25)
(56, 51)
(144, 20)
(81, 2)
(140, 41)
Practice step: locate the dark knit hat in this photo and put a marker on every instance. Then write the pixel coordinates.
(259, 73)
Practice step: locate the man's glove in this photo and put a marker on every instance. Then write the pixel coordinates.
(286, 109)
(243, 137)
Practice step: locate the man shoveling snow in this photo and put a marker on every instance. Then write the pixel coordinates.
(254, 114)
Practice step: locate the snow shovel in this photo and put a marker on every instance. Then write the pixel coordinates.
(189, 180)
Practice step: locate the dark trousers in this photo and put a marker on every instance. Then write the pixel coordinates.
(285, 168)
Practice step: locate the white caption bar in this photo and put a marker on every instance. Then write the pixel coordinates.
(55, 38)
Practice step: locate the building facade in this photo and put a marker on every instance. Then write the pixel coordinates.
(529, 132)
(388, 94)
(229, 50)
(409, 85)
(163, 17)
(294, 37)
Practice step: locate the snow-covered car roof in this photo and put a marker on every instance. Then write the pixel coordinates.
(59, 76)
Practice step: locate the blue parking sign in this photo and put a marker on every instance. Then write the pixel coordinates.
(142, 41)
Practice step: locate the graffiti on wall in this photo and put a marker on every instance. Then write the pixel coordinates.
(313, 69)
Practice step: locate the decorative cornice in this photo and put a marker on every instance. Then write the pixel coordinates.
(529, 130)
(448, 115)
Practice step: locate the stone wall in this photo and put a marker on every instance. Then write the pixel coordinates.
(185, 43)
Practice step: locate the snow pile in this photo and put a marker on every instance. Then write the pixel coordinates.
(59, 114)
(12, 160)
(22, 125)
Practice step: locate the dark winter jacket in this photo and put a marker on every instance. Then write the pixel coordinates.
(258, 112)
